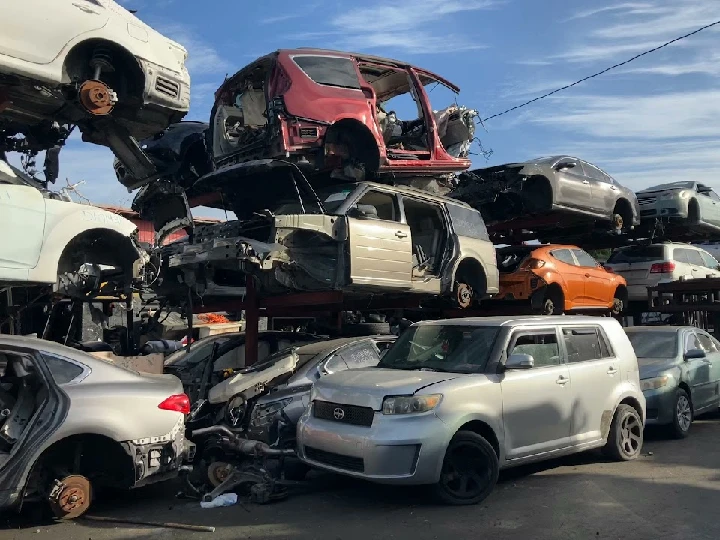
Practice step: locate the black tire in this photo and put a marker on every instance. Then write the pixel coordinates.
(470, 470)
(295, 470)
(682, 415)
(625, 439)
(366, 329)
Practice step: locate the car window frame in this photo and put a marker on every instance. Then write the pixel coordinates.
(86, 370)
(714, 264)
(352, 62)
(602, 340)
(697, 253)
(520, 331)
(353, 199)
(688, 335)
(700, 335)
(577, 259)
(574, 260)
(365, 343)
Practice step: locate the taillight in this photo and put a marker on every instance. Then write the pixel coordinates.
(178, 403)
(662, 268)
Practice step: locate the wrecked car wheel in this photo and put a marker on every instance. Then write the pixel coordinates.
(463, 295)
(553, 304)
(618, 307)
(218, 472)
(70, 497)
(470, 470)
(625, 439)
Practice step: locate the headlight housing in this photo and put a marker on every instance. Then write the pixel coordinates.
(263, 415)
(654, 383)
(410, 404)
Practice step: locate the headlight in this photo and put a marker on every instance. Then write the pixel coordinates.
(263, 415)
(410, 404)
(654, 383)
(684, 194)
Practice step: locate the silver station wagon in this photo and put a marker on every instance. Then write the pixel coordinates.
(455, 401)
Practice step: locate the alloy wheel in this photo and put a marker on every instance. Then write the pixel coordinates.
(683, 411)
(630, 435)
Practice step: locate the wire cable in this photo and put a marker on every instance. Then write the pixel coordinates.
(603, 71)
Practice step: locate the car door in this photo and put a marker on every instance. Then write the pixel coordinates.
(536, 401)
(712, 350)
(22, 222)
(58, 21)
(682, 257)
(573, 186)
(598, 283)
(594, 375)
(698, 370)
(712, 267)
(602, 189)
(574, 277)
(380, 245)
(712, 214)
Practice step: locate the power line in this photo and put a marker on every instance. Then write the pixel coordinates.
(603, 71)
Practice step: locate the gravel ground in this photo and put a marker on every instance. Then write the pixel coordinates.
(671, 492)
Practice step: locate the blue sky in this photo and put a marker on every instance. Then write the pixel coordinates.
(654, 120)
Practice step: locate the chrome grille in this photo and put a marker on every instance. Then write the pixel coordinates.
(345, 414)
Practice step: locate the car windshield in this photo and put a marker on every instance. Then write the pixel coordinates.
(637, 254)
(436, 347)
(654, 344)
(331, 197)
(673, 185)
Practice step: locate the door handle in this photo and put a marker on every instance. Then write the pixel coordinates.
(587, 275)
(586, 181)
(400, 234)
(613, 188)
(612, 371)
(562, 380)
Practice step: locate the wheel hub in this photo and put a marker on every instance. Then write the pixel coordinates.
(464, 295)
(70, 497)
(218, 472)
(97, 98)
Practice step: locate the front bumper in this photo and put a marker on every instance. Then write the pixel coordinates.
(166, 88)
(402, 449)
(668, 208)
(660, 406)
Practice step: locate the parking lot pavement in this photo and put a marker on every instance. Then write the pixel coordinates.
(671, 492)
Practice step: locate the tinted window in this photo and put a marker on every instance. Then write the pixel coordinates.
(361, 355)
(376, 205)
(563, 255)
(708, 260)
(329, 71)
(451, 347)
(584, 344)
(583, 258)
(637, 254)
(467, 222)
(654, 344)
(543, 347)
(62, 371)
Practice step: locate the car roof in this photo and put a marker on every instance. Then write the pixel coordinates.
(659, 328)
(419, 193)
(519, 321)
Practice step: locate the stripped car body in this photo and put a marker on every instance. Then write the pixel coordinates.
(324, 110)
(686, 203)
(61, 403)
(100, 68)
(52, 240)
(357, 237)
(571, 190)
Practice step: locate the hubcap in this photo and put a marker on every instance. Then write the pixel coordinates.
(630, 435)
(466, 471)
(684, 413)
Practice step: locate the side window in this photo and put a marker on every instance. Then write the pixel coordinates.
(707, 343)
(329, 71)
(585, 344)
(564, 255)
(543, 347)
(467, 222)
(709, 260)
(713, 196)
(334, 364)
(584, 258)
(681, 255)
(62, 371)
(376, 205)
(360, 356)
(695, 258)
(692, 342)
(593, 172)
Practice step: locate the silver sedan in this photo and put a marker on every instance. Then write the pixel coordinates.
(690, 202)
(77, 422)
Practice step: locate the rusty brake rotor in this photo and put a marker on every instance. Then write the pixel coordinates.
(70, 497)
(97, 97)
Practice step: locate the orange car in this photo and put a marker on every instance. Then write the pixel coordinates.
(556, 279)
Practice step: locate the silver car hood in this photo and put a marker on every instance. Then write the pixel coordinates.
(369, 386)
(244, 381)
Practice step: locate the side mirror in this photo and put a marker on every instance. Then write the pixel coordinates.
(694, 354)
(563, 166)
(520, 361)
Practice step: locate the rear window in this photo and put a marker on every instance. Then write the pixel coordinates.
(510, 261)
(467, 222)
(329, 71)
(637, 254)
(654, 344)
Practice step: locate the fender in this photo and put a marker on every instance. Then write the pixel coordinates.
(488, 262)
(65, 221)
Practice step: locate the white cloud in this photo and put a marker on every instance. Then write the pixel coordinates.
(203, 58)
(629, 6)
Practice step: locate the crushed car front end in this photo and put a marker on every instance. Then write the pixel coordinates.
(669, 203)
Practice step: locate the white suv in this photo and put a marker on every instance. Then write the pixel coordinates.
(646, 266)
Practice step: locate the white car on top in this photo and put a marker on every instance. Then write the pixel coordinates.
(89, 63)
(48, 239)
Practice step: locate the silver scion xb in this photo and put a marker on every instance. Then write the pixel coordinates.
(454, 401)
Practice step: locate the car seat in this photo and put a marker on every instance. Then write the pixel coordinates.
(426, 240)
